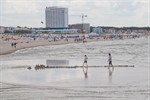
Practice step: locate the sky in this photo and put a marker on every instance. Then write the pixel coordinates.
(117, 13)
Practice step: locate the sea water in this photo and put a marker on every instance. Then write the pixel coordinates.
(17, 82)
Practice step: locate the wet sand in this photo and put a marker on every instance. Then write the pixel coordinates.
(126, 83)
(68, 84)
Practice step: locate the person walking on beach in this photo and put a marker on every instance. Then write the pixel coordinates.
(15, 44)
(110, 60)
(85, 60)
(12, 44)
(85, 68)
(110, 69)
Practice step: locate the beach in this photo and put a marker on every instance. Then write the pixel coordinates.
(28, 42)
(17, 82)
(74, 49)
(23, 42)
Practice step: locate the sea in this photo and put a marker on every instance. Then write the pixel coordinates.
(18, 82)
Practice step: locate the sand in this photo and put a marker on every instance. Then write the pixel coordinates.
(27, 42)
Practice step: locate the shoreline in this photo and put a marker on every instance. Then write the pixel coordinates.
(25, 42)
(7, 49)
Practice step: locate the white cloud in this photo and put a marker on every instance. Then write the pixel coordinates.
(19, 6)
(100, 12)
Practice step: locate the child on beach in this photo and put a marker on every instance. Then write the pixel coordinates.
(110, 60)
(85, 69)
(85, 60)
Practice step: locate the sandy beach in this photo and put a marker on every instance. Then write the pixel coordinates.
(27, 42)
(22, 42)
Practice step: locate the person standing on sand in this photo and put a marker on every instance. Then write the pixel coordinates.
(12, 44)
(85, 69)
(110, 60)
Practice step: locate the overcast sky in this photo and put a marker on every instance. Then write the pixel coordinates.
(118, 13)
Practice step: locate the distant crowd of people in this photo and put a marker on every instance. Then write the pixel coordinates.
(78, 38)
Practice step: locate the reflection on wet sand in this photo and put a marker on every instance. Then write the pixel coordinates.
(85, 69)
(111, 70)
(43, 67)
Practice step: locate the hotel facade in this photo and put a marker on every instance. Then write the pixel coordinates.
(56, 17)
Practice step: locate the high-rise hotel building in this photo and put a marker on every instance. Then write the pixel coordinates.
(56, 17)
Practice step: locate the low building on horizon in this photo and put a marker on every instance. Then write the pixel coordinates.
(97, 30)
(2, 29)
(85, 27)
(56, 30)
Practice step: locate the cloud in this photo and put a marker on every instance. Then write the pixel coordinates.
(19, 6)
(100, 12)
